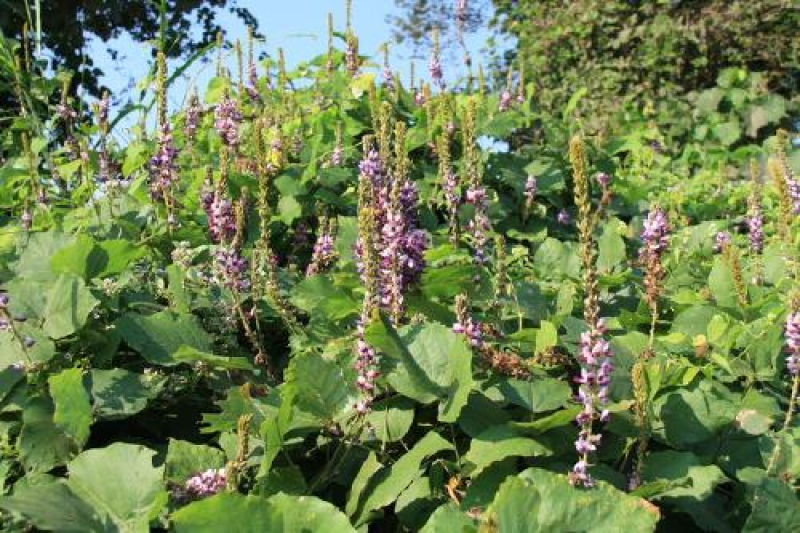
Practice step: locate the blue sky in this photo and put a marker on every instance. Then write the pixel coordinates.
(298, 26)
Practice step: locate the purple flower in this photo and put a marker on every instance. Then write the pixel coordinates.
(755, 226)
(26, 219)
(594, 355)
(721, 240)
(366, 366)
(232, 269)
(388, 78)
(505, 100)
(323, 255)
(603, 179)
(419, 97)
(163, 167)
(220, 215)
(794, 192)
(66, 113)
(480, 225)
(337, 156)
(206, 483)
(655, 235)
(193, 113)
(4, 299)
(226, 121)
(563, 217)
(793, 343)
(435, 70)
(580, 475)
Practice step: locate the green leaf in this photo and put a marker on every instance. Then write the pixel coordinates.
(319, 295)
(289, 209)
(217, 87)
(42, 445)
(389, 420)
(546, 337)
(185, 459)
(672, 465)
(611, 246)
(447, 281)
(69, 303)
(538, 500)
(188, 354)
(539, 395)
(119, 254)
(156, 337)
(73, 412)
(118, 393)
(121, 483)
(34, 260)
(722, 285)
(321, 387)
(692, 415)
(427, 363)
(498, 443)
(777, 509)
(386, 484)
(727, 132)
(449, 519)
(82, 258)
(245, 514)
(53, 506)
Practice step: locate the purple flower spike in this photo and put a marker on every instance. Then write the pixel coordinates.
(721, 240)
(655, 235)
(793, 343)
(755, 226)
(206, 483)
(563, 217)
(505, 101)
(226, 121)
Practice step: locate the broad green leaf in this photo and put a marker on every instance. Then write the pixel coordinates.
(245, 514)
(53, 506)
(226, 511)
(318, 295)
(390, 419)
(73, 412)
(538, 500)
(449, 519)
(82, 258)
(498, 443)
(119, 254)
(321, 387)
(188, 354)
(34, 258)
(119, 393)
(69, 303)
(671, 465)
(42, 445)
(428, 362)
(538, 395)
(156, 337)
(691, 415)
(722, 285)
(386, 484)
(546, 337)
(14, 352)
(289, 209)
(121, 484)
(777, 509)
(611, 246)
(185, 459)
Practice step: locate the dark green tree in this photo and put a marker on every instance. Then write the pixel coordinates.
(67, 27)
